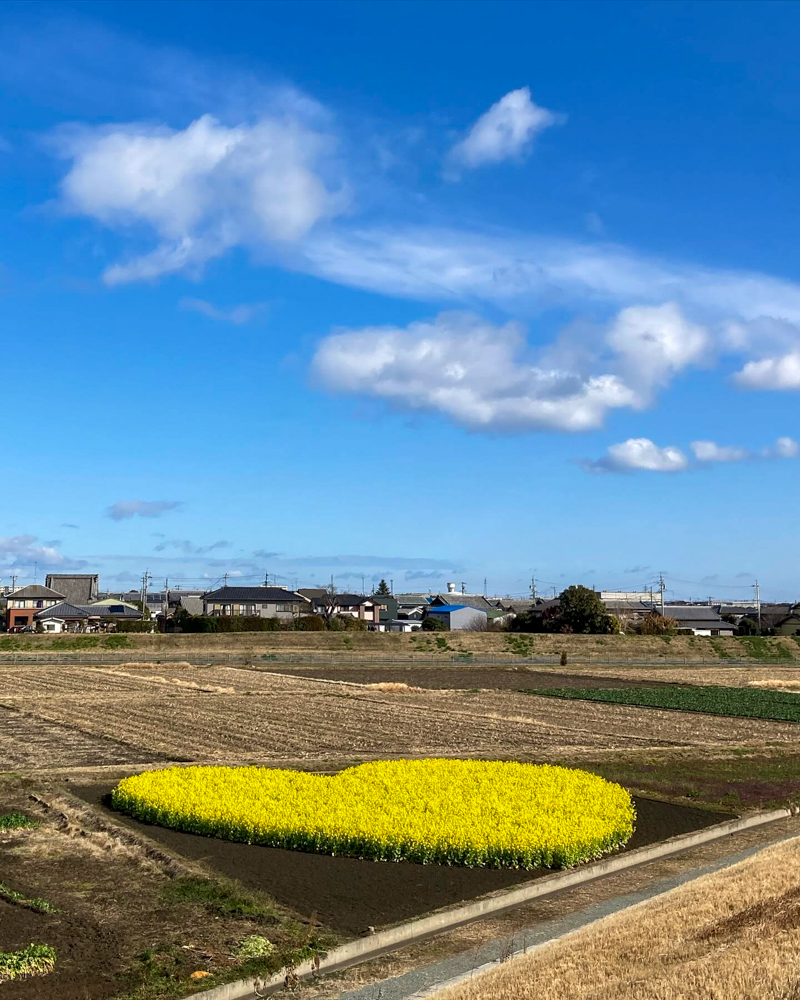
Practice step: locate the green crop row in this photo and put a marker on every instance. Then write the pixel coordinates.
(749, 703)
(35, 960)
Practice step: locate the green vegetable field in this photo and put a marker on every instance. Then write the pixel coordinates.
(750, 703)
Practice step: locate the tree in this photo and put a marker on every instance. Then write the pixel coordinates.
(580, 611)
(329, 603)
(655, 624)
(383, 590)
(435, 623)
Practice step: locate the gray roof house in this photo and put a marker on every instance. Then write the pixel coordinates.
(78, 588)
(261, 602)
(700, 619)
(477, 601)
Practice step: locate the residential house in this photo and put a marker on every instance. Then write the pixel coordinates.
(68, 617)
(790, 625)
(458, 616)
(700, 619)
(77, 588)
(22, 604)
(261, 602)
(351, 605)
(477, 601)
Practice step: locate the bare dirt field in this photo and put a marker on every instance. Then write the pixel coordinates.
(234, 714)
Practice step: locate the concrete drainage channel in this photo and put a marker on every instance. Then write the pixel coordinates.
(373, 946)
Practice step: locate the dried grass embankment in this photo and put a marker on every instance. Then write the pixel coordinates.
(733, 935)
(379, 645)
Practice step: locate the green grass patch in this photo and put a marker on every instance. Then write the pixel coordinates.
(748, 703)
(760, 648)
(35, 960)
(35, 903)
(17, 821)
(220, 899)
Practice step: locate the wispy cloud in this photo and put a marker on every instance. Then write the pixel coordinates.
(636, 569)
(235, 314)
(189, 548)
(124, 509)
(66, 524)
(506, 131)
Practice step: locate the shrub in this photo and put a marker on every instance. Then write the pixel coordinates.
(254, 946)
(17, 821)
(35, 960)
(310, 623)
(563, 660)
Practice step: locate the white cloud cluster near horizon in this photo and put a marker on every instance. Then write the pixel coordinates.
(643, 455)
(506, 131)
(201, 190)
(483, 376)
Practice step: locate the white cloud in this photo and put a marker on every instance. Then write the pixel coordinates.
(201, 190)
(19, 551)
(784, 447)
(639, 454)
(771, 373)
(141, 508)
(654, 343)
(485, 377)
(472, 371)
(710, 451)
(236, 314)
(503, 132)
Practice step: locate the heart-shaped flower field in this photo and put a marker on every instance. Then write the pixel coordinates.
(476, 813)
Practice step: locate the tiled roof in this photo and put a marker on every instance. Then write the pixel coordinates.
(251, 595)
(63, 610)
(35, 590)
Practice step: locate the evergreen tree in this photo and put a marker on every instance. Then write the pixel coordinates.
(383, 589)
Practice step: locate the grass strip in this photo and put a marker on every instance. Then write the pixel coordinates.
(17, 821)
(36, 904)
(748, 703)
(35, 960)
(220, 899)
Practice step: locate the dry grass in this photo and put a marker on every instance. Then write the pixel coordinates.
(733, 935)
(142, 665)
(390, 687)
(778, 685)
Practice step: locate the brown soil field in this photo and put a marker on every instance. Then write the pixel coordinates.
(394, 645)
(124, 918)
(232, 714)
(732, 935)
(349, 895)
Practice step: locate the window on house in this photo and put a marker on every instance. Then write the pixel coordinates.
(283, 607)
(40, 604)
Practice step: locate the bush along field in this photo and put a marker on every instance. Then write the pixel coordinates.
(749, 703)
(488, 814)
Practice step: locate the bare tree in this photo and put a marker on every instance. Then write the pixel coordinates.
(329, 603)
(478, 623)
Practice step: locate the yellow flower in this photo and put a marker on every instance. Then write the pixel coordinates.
(476, 813)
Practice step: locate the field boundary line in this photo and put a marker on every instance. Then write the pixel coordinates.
(374, 945)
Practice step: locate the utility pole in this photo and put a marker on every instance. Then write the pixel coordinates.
(266, 579)
(661, 586)
(35, 571)
(13, 582)
(484, 586)
(391, 587)
(758, 604)
(224, 579)
(362, 584)
(165, 602)
(146, 578)
(533, 587)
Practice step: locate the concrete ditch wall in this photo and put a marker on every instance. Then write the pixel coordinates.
(371, 946)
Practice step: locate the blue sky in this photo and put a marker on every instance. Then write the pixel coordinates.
(427, 291)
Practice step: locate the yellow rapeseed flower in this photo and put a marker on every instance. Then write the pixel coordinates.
(493, 814)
